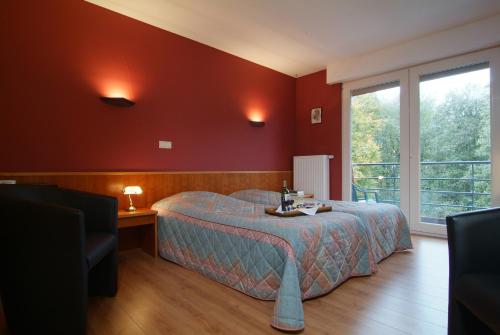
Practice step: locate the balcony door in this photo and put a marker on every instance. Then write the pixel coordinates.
(377, 151)
(423, 139)
(455, 110)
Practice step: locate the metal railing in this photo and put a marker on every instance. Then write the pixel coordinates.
(446, 187)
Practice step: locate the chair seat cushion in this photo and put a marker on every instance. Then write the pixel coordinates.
(97, 246)
(480, 294)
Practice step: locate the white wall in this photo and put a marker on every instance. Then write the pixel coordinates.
(447, 43)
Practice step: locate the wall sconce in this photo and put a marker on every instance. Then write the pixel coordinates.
(118, 101)
(129, 190)
(258, 124)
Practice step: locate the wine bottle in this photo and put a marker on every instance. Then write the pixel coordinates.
(285, 196)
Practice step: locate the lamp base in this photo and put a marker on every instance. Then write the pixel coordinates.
(132, 209)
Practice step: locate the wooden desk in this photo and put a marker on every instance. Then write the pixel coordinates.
(138, 229)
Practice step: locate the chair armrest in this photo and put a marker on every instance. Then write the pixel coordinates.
(42, 253)
(474, 242)
(101, 211)
(366, 192)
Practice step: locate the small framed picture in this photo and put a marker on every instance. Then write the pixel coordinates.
(316, 115)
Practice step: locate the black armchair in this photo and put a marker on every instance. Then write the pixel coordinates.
(474, 290)
(58, 246)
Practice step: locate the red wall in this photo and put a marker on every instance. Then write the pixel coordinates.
(59, 56)
(326, 137)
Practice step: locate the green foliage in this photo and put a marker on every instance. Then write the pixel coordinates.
(366, 112)
(456, 128)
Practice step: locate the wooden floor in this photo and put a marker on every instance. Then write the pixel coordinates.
(407, 296)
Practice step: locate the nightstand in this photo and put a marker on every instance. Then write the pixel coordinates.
(138, 229)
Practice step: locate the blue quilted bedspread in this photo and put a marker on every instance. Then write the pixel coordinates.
(271, 258)
(387, 225)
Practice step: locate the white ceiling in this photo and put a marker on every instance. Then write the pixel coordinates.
(298, 37)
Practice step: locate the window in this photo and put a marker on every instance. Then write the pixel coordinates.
(421, 139)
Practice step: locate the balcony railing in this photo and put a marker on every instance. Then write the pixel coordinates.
(446, 187)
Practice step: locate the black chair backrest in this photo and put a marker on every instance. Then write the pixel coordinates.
(473, 240)
(33, 192)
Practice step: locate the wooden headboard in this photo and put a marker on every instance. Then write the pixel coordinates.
(156, 185)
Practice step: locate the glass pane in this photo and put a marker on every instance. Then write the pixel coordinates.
(455, 165)
(375, 145)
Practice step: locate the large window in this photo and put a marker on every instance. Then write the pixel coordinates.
(421, 139)
(455, 144)
(375, 144)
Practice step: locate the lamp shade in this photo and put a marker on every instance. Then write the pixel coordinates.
(132, 190)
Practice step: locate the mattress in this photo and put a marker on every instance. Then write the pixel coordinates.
(286, 260)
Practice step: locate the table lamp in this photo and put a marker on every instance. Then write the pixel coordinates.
(129, 190)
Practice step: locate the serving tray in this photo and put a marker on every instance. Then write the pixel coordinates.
(272, 211)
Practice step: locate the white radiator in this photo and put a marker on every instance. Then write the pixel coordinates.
(311, 174)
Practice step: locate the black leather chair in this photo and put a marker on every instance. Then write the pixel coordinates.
(474, 290)
(57, 247)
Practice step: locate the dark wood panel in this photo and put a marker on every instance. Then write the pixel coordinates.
(136, 221)
(157, 185)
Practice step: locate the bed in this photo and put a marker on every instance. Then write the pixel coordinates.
(287, 260)
(387, 225)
